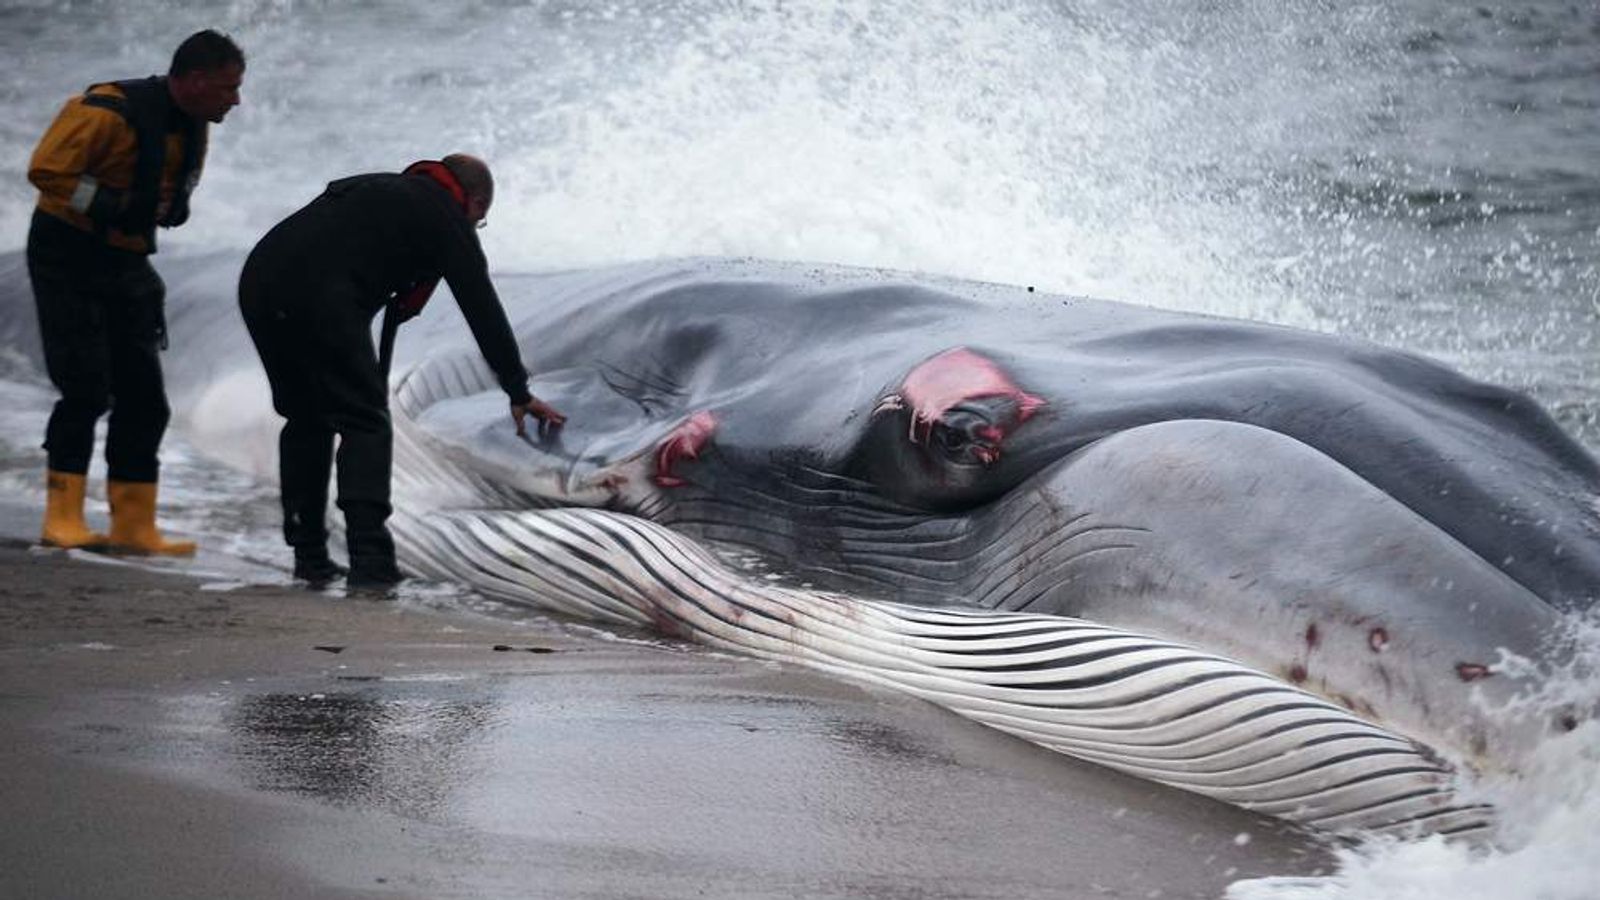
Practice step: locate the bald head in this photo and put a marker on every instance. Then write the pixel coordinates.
(473, 175)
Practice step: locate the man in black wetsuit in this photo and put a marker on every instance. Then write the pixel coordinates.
(308, 293)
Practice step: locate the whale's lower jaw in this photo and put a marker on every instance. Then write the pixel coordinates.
(1143, 706)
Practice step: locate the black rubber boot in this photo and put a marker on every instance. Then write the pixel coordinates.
(373, 572)
(315, 567)
(372, 562)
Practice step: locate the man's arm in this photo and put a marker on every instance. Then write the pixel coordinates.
(467, 272)
(68, 165)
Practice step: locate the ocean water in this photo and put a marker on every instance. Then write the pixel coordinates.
(1419, 172)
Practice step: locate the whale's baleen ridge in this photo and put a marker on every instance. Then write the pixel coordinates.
(1198, 722)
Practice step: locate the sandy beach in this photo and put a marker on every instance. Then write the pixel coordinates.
(170, 734)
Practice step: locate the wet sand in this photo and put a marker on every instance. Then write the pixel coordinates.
(163, 737)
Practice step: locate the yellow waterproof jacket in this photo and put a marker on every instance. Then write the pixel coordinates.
(88, 162)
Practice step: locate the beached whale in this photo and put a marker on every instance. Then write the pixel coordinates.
(1276, 567)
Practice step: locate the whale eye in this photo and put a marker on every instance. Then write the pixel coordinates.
(945, 438)
(949, 439)
(964, 436)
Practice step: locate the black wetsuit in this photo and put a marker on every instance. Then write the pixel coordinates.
(103, 326)
(309, 292)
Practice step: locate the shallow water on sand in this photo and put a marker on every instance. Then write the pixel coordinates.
(687, 775)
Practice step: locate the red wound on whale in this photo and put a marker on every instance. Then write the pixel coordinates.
(1473, 671)
(952, 378)
(684, 442)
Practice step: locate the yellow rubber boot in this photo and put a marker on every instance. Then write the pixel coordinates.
(63, 513)
(133, 521)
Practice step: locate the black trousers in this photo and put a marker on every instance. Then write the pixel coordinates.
(315, 343)
(102, 321)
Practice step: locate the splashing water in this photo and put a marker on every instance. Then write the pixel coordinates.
(1547, 820)
(1355, 169)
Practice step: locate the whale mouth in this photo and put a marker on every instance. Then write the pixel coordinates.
(1154, 708)
(967, 489)
(1121, 533)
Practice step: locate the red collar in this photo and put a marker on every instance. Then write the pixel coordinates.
(441, 174)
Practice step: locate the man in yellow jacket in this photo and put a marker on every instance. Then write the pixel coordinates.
(119, 160)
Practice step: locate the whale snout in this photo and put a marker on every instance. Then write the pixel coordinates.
(1256, 546)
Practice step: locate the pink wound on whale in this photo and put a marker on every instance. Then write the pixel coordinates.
(943, 382)
(952, 378)
(955, 376)
(684, 442)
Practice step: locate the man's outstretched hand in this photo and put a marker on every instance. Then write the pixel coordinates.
(548, 418)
